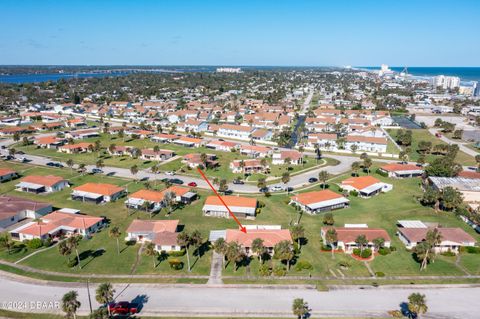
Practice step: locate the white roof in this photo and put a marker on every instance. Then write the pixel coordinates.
(356, 226)
(372, 188)
(329, 202)
(29, 185)
(216, 234)
(86, 194)
(412, 224)
(69, 210)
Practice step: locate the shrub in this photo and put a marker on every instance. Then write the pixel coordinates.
(175, 264)
(356, 251)
(267, 194)
(366, 253)
(47, 242)
(34, 243)
(264, 270)
(393, 248)
(449, 253)
(326, 248)
(279, 271)
(72, 262)
(380, 274)
(381, 173)
(303, 265)
(177, 253)
(384, 251)
(473, 250)
(354, 193)
(261, 204)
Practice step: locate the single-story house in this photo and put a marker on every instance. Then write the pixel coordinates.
(163, 233)
(346, 237)
(451, 238)
(241, 207)
(160, 155)
(97, 192)
(75, 148)
(280, 158)
(189, 141)
(224, 146)
(271, 236)
(469, 187)
(58, 224)
(42, 184)
(366, 143)
(319, 201)
(194, 160)
(255, 151)
(249, 166)
(14, 209)
(119, 150)
(235, 131)
(402, 170)
(164, 138)
(155, 199)
(49, 142)
(83, 134)
(7, 174)
(366, 186)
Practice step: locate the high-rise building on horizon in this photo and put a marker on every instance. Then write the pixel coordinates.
(446, 82)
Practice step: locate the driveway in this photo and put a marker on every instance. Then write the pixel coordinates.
(461, 145)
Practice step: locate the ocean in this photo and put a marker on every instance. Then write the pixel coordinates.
(35, 78)
(464, 73)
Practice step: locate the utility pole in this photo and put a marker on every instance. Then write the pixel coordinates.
(89, 298)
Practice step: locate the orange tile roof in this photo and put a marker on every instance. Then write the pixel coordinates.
(395, 167)
(82, 145)
(157, 196)
(360, 182)
(48, 180)
(469, 174)
(247, 162)
(190, 139)
(99, 188)
(232, 201)
(48, 140)
(315, 197)
(270, 237)
(153, 226)
(349, 235)
(57, 219)
(233, 127)
(6, 171)
(367, 139)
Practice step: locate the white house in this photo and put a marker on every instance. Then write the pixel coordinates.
(162, 233)
(241, 207)
(365, 186)
(366, 144)
(347, 236)
(319, 201)
(235, 131)
(14, 209)
(279, 158)
(97, 192)
(42, 184)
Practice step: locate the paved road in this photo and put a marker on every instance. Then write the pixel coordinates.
(461, 145)
(168, 300)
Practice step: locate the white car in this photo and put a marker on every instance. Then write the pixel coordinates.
(276, 188)
(170, 173)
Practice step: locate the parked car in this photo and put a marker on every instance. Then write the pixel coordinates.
(144, 179)
(238, 182)
(263, 190)
(96, 171)
(312, 180)
(50, 164)
(438, 135)
(170, 173)
(9, 157)
(123, 308)
(192, 184)
(276, 188)
(176, 181)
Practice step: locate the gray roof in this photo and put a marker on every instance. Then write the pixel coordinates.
(460, 183)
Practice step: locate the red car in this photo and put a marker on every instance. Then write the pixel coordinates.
(192, 184)
(123, 308)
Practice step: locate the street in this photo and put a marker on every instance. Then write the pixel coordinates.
(201, 300)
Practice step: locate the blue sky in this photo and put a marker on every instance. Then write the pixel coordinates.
(241, 32)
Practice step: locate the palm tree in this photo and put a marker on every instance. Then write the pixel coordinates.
(367, 163)
(323, 177)
(355, 168)
(70, 164)
(149, 250)
(241, 164)
(73, 242)
(7, 242)
(378, 243)
(99, 164)
(284, 252)
(331, 237)
(286, 179)
(134, 170)
(361, 241)
(104, 294)
(64, 249)
(258, 248)
(417, 304)
(169, 200)
(300, 308)
(234, 254)
(114, 232)
(264, 163)
(203, 159)
(298, 232)
(70, 304)
(112, 148)
(184, 240)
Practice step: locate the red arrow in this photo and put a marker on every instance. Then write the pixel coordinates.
(242, 228)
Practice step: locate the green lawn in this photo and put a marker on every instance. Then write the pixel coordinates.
(381, 211)
(424, 135)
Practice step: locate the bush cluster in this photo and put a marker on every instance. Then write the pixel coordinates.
(175, 263)
(366, 253)
(303, 265)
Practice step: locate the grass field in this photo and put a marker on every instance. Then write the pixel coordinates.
(424, 135)
(381, 211)
(224, 158)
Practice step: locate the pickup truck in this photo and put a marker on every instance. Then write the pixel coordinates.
(123, 308)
